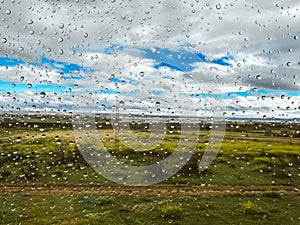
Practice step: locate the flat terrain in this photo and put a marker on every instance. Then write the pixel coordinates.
(44, 179)
(154, 190)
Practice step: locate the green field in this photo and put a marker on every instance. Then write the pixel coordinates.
(34, 151)
(116, 210)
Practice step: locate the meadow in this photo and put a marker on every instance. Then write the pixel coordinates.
(253, 154)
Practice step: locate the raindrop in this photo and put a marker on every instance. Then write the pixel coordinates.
(142, 74)
(121, 103)
(8, 11)
(30, 21)
(258, 77)
(288, 63)
(157, 104)
(218, 6)
(61, 26)
(295, 37)
(3, 40)
(29, 85)
(42, 94)
(60, 51)
(22, 78)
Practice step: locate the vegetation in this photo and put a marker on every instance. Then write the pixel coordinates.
(94, 209)
(37, 151)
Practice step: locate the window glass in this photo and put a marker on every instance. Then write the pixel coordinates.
(149, 112)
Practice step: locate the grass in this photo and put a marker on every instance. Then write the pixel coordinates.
(251, 154)
(248, 155)
(97, 209)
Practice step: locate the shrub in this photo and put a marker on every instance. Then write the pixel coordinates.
(171, 211)
(251, 208)
(271, 194)
(192, 166)
(105, 200)
(4, 174)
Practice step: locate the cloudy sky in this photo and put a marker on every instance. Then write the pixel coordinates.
(207, 58)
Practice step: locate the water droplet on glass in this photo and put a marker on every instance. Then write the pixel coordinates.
(8, 11)
(218, 6)
(142, 74)
(30, 21)
(42, 94)
(296, 37)
(121, 103)
(3, 40)
(258, 77)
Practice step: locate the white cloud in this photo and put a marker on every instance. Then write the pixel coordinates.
(258, 34)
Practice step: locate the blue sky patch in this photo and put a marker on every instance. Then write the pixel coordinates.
(181, 60)
(21, 87)
(64, 67)
(10, 62)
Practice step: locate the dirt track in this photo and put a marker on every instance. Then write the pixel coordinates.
(155, 190)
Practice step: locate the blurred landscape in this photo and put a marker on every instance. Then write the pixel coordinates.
(255, 175)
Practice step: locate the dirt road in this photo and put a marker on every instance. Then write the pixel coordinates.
(155, 190)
